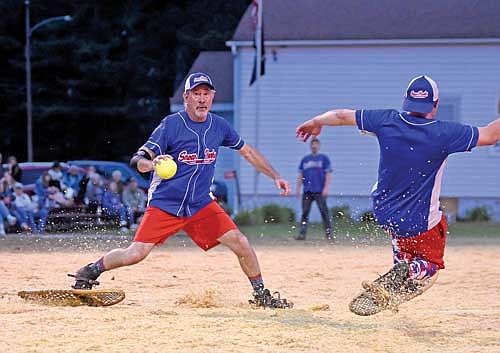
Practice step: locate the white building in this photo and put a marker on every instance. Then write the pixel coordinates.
(361, 54)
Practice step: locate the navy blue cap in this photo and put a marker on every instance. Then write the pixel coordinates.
(196, 79)
(421, 95)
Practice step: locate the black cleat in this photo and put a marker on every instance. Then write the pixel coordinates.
(85, 278)
(262, 298)
(300, 237)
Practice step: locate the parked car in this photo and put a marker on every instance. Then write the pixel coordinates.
(31, 171)
(106, 169)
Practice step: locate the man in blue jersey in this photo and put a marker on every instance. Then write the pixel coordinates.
(314, 176)
(413, 152)
(191, 138)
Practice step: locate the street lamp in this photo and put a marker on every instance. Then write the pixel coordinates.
(27, 53)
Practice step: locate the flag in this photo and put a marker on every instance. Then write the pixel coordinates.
(258, 40)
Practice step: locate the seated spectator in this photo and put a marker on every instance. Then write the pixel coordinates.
(113, 206)
(116, 176)
(134, 199)
(2, 169)
(42, 205)
(7, 183)
(8, 211)
(72, 179)
(82, 186)
(93, 193)
(14, 169)
(25, 206)
(56, 175)
(58, 199)
(5, 216)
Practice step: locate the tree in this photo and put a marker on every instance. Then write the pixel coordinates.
(102, 82)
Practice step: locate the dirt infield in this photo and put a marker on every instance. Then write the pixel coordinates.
(183, 300)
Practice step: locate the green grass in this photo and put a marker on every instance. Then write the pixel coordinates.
(343, 230)
(351, 230)
(475, 229)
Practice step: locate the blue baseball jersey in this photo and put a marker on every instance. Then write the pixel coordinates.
(313, 169)
(194, 147)
(413, 152)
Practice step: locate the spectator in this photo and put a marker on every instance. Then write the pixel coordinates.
(113, 206)
(82, 185)
(58, 199)
(5, 216)
(134, 199)
(42, 206)
(6, 196)
(116, 176)
(14, 169)
(7, 184)
(23, 203)
(72, 179)
(94, 193)
(2, 169)
(56, 175)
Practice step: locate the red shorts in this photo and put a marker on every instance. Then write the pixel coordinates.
(428, 245)
(205, 227)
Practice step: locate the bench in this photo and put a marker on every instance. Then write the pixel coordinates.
(78, 218)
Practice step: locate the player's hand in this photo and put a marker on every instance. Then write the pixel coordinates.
(324, 193)
(283, 185)
(157, 159)
(308, 129)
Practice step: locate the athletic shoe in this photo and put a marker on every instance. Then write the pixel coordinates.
(300, 237)
(85, 278)
(262, 298)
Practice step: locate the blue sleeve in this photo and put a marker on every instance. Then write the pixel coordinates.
(370, 120)
(158, 140)
(460, 138)
(231, 138)
(326, 165)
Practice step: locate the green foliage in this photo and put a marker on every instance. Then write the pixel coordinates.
(274, 213)
(102, 82)
(478, 214)
(243, 218)
(267, 214)
(342, 212)
(367, 217)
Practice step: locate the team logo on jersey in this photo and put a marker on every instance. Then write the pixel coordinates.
(419, 94)
(192, 158)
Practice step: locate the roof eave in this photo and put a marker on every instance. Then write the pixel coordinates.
(357, 42)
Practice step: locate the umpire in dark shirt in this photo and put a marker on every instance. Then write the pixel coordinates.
(315, 175)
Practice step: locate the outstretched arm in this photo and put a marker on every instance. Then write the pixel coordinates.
(258, 161)
(338, 117)
(489, 134)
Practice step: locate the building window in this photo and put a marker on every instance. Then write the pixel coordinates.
(449, 109)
